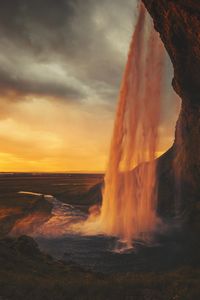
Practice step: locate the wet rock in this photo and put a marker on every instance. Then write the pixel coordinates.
(178, 23)
(35, 212)
(27, 246)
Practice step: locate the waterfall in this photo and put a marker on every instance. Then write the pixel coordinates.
(130, 197)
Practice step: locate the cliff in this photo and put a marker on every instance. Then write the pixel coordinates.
(178, 22)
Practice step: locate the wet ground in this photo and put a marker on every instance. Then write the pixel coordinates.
(98, 253)
(105, 254)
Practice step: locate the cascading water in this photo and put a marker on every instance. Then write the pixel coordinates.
(129, 198)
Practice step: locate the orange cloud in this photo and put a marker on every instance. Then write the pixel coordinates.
(46, 134)
(43, 135)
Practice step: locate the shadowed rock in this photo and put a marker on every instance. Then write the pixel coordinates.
(35, 212)
(178, 23)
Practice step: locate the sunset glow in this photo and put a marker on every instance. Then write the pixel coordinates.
(51, 136)
(57, 103)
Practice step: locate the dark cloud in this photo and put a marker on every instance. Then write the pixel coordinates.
(16, 15)
(23, 86)
(86, 41)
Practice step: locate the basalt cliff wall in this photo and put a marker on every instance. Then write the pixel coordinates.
(178, 22)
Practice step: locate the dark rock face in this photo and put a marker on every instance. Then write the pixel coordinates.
(34, 213)
(178, 22)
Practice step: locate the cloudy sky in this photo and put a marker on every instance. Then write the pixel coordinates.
(61, 63)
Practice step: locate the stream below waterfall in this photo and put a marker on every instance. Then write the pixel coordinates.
(99, 253)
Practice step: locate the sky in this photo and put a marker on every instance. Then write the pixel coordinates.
(61, 64)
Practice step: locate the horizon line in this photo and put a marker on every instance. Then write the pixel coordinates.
(53, 172)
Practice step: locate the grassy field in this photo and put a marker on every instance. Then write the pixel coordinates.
(26, 273)
(68, 186)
